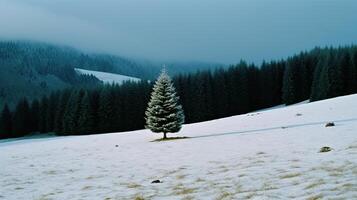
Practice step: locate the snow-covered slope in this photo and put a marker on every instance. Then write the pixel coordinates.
(271, 154)
(107, 77)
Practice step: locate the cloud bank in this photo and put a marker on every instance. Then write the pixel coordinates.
(206, 30)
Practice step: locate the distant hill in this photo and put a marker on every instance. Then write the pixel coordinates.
(32, 69)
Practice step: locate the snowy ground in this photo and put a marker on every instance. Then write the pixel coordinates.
(107, 77)
(270, 154)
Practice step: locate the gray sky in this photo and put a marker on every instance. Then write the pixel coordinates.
(202, 30)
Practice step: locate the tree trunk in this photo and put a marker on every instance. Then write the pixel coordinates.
(165, 136)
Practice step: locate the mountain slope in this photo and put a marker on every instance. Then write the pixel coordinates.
(33, 69)
(106, 77)
(272, 154)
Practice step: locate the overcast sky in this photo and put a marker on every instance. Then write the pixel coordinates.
(201, 30)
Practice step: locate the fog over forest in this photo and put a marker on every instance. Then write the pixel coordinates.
(204, 30)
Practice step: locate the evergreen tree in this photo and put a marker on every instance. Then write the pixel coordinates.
(86, 116)
(72, 113)
(335, 77)
(317, 88)
(94, 102)
(238, 82)
(35, 115)
(220, 93)
(164, 114)
(5, 123)
(43, 115)
(106, 111)
(51, 111)
(22, 119)
(60, 111)
(292, 82)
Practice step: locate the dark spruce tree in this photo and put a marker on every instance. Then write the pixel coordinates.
(22, 119)
(86, 118)
(35, 115)
(60, 111)
(42, 124)
(72, 113)
(6, 123)
(290, 84)
(106, 112)
(51, 110)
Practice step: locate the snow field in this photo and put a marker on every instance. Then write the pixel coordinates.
(107, 77)
(271, 154)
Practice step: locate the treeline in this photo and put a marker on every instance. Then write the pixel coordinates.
(104, 109)
(318, 74)
(239, 89)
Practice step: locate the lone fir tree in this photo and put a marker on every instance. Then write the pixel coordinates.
(164, 114)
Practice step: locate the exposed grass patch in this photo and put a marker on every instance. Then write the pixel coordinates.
(354, 171)
(170, 138)
(224, 170)
(88, 187)
(295, 182)
(315, 184)
(188, 198)
(315, 197)
(181, 176)
(138, 197)
(209, 173)
(334, 169)
(352, 146)
(281, 170)
(43, 198)
(50, 172)
(290, 175)
(238, 188)
(133, 185)
(269, 186)
(172, 172)
(224, 195)
(200, 180)
(181, 190)
(251, 195)
(258, 162)
(336, 174)
(348, 185)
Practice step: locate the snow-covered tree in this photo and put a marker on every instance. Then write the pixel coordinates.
(164, 114)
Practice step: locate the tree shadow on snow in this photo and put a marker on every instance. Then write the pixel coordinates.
(275, 128)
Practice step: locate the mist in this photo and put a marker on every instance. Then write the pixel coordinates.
(224, 31)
